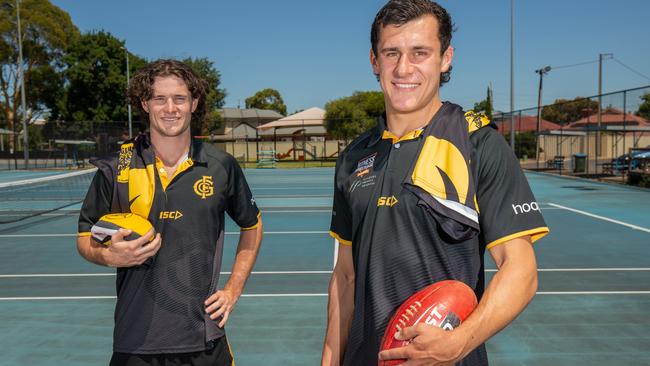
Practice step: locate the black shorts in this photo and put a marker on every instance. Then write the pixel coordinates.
(217, 355)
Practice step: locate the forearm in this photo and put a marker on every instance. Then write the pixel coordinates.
(508, 293)
(91, 250)
(340, 308)
(247, 249)
(119, 253)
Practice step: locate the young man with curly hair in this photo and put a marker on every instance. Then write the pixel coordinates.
(169, 309)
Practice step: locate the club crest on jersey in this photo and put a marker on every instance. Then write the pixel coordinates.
(203, 187)
(476, 120)
(124, 162)
(364, 165)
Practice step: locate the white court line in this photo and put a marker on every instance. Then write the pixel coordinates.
(35, 235)
(593, 292)
(106, 274)
(294, 211)
(601, 217)
(33, 298)
(293, 196)
(331, 188)
(45, 275)
(610, 269)
(76, 212)
(30, 298)
(227, 233)
(49, 178)
(283, 295)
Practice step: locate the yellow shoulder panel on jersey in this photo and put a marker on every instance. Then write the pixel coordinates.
(476, 120)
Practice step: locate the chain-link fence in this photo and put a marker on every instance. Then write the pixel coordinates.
(70, 144)
(582, 136)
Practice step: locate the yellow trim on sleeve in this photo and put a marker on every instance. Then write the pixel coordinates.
(338, 237)
(535, 234)
(259, 214)
(85, 233)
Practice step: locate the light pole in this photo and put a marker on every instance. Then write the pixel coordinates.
(512, 74)
(128, 81)
(21, 74)
(541, 73)
(601, 57)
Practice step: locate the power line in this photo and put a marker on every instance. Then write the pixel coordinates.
(572, 65)
(631, 69)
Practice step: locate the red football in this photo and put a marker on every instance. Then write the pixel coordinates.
(444, 304)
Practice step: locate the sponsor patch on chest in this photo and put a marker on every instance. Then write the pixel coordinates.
(365, 165)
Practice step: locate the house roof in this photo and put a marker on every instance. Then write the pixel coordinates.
(249, 114)
(526, 124)
(310, 117)
(611, 116)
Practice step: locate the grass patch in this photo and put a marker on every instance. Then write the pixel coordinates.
(291, 164)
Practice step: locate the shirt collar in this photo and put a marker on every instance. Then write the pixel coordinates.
(381, 132)
(195, 153)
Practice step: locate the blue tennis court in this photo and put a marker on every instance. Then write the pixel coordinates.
(592, 306)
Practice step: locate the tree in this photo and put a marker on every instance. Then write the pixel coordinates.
(350, 116)
(96, 80)
(564, 111)
(215, 97)
(526, 144)
(485, 106)
(267, 99)
(46, 32)
(644, 108)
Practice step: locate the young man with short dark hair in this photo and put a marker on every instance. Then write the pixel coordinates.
(419, 199)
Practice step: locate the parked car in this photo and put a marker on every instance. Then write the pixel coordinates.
(638, 159)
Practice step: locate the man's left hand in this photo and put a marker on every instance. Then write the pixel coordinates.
(220, 304)
(429, 346)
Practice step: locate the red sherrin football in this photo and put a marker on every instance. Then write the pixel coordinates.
(444, 304)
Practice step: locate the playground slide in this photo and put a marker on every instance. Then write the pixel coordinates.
(289, 153)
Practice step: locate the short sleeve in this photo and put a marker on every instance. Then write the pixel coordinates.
(96, 204)
(341, 225)
(507, 206)
(240, 206)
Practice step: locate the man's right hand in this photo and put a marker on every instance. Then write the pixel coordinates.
(129, 253)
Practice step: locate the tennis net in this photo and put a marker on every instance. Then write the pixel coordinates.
(28, 198)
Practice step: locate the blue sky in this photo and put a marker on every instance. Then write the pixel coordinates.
(317, 51)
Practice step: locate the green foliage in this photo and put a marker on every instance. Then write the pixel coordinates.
(47, 31)
(215, 98)
(644, 108)
(564, 111)
(350, 116)
(95, 80)
(485, 106)
(639, 179)
(267, 99)
(525, 144)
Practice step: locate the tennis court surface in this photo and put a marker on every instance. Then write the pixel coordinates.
(592, 307)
